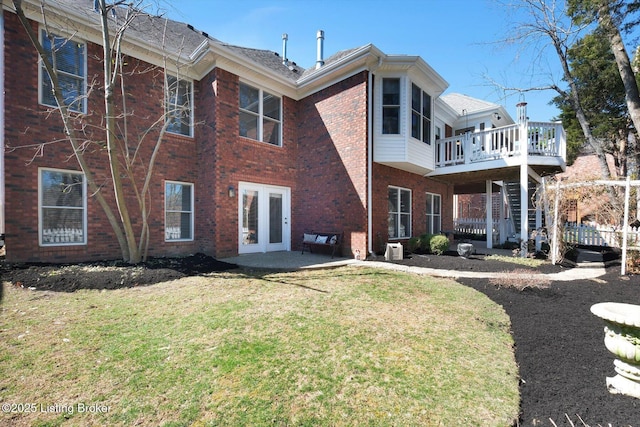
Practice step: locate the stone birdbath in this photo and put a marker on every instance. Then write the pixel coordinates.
(622, 338)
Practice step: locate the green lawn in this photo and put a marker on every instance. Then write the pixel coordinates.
(343, 347)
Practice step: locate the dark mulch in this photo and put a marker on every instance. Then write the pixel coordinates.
(560, 348)
(108, 274)
(559, 343)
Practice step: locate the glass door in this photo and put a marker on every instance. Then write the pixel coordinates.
(263, 218)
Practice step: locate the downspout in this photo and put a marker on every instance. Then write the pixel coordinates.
(2, 113)
(370, 158)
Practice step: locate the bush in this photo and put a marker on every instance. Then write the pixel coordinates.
(439, 244)
(413, 244)
(425, 242)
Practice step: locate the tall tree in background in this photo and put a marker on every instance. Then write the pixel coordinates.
(614, 17)
(121, 145)
(545, 23)
(603, 99)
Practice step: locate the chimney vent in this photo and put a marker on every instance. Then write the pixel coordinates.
(320, 56)
(285, 60)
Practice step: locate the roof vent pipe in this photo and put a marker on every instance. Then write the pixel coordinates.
(320, 39)
(285, 60)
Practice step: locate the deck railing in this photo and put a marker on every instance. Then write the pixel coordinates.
(540, 138)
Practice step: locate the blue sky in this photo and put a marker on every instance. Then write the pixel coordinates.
(456, 37)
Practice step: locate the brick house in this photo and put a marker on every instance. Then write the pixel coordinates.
(362, 143)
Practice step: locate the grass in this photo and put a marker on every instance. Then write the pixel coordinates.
(530, 262)
(343, 347)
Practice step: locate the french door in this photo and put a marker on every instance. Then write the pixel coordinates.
(263, 218)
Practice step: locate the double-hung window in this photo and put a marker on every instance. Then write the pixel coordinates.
(399, 213)
(420, 114)
(434, 215)
(178, 211)
(260, 115)
(68, 58)
(179, 105)
(391, 106)
(63, 207)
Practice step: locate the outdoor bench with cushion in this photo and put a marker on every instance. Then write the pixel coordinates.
(330, 239)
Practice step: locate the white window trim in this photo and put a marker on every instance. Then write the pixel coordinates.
(40, 207)
(191, 107)
(42, 74)
(192, 212)
(261, 114)
(411, 110)
(431, 216)
(399, 214)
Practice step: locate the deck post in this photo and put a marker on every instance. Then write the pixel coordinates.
(524, 178)
(489, 208)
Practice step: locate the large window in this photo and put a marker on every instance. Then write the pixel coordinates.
(178, 224)
(434, 215)
(63, 207)
(391, 106)
(179, 106)
(69, 60)
(399, 213)
(420, 114)
(260, 115)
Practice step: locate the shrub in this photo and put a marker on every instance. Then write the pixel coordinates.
(425, 242)
(413, 244)
(439, 244)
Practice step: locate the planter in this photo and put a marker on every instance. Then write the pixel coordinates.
(622, 338)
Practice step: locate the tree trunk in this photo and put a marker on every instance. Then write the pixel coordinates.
(624, 65)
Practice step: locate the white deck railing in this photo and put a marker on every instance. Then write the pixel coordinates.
(542, 139)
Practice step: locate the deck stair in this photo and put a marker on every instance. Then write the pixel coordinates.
(512, 189)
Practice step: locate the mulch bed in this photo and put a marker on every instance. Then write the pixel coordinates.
(559, 343)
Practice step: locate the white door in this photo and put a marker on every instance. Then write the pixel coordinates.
(263, 218)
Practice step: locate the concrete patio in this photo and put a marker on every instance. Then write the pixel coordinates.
(294, 260)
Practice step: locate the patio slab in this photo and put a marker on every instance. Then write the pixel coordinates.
(288, 261)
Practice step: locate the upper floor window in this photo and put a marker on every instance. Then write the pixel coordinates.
(63, 207)
(68, 58)
(399, 212)
(391, 106)
(179, 106)
(178, 211)
(420, 114)
(260, 115)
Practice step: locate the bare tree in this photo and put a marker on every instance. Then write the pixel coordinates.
(128, 171)
(546, 24)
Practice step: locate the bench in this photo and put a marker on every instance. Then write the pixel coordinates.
(332, 239)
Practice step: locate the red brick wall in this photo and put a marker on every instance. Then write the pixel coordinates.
(384, 177)
(332, 173)
(227, 158)
(28, 124)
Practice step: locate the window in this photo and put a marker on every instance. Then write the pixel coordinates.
(69, 59)
(179, 106)
(434, 216)
(399, 213)
(391, 106)
(260, 115)
(63, 208)
(420, 114)
(178, 202)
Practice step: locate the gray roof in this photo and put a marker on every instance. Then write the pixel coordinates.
(182, 39)
(460, 102)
